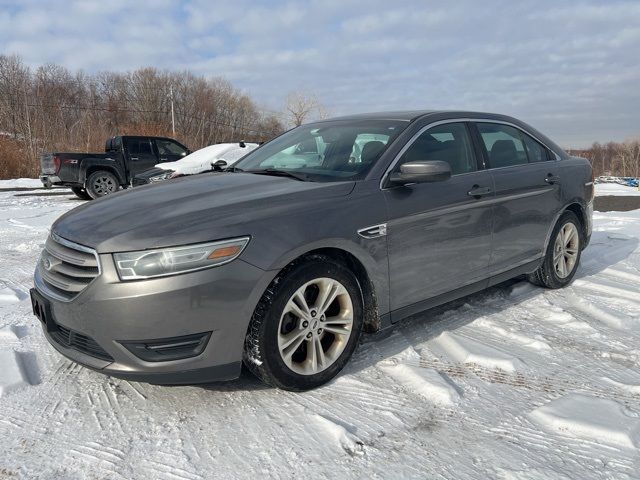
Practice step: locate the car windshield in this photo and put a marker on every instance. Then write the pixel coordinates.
(325, 152)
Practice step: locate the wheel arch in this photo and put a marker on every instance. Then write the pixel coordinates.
(367, 288)
(362, 266)
(580, 212)
(578, 209)
(92, 167)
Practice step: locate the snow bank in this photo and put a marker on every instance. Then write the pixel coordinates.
(21, 183)
(465, 350)
(12, 373)
(8, 295)
(423, 381)
(597, 419)
(7, 333)
(338, 434)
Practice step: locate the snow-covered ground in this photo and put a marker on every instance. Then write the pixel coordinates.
(513, 383)
(604, 189)
(21, 183)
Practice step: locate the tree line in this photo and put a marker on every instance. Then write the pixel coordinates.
(613, 159)
(50, 108)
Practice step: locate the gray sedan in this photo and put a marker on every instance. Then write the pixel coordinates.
(334, 228)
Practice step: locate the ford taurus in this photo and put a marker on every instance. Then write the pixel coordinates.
(331, 229)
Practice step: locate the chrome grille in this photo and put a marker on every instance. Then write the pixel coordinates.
(66, 268)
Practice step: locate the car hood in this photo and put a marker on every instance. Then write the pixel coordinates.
(189, 210)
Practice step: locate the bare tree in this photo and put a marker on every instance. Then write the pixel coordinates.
(618, 159)
(301, 106)
(52, 109)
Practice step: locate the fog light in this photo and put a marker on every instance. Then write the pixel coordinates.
(166, 349)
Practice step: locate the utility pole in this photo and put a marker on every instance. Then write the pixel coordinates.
(173, 120)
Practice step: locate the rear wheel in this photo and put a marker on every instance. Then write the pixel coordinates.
(81, 193)
(563, 254)
(306, 326)
(101, 183)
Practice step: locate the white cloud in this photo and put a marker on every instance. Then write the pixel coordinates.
(570, 69)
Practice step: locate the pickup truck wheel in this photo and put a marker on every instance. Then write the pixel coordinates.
(81, 193)
(101, 183)
(563, 254)
(306, 326)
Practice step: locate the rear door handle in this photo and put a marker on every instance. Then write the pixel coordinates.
(551, 179)
(163, 159)
(133, 158)
(478, 191)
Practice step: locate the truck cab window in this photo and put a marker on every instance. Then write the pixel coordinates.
(140, 147)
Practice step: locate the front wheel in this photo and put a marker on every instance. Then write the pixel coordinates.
(101, 183)
(563, 254)
(306, 326)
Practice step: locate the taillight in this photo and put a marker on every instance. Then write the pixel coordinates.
(56, 162)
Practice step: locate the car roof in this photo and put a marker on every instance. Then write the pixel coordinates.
(407, 115)
(411, 115)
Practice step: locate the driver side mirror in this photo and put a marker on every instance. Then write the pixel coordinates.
(421, 172)
(219, 165)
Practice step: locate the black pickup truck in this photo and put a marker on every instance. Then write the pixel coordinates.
(92, 175)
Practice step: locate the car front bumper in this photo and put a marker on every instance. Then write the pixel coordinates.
(109, 316)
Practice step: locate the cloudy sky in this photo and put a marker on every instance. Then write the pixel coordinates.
(570, 68)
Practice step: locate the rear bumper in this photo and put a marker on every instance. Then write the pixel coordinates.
(49, 180)
(589, 225)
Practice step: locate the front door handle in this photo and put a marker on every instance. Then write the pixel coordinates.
(133, 158)
(551, 179)
(478, 191)
(163, 159)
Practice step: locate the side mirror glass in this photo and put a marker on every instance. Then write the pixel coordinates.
(421, 172)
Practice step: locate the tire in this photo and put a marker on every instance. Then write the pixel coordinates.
(81, 193)
(283, 339)
(101, 183)
(551, 274)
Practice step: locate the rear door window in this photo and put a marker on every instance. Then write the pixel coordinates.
(535, 151)
(504, 145)
(139, 146)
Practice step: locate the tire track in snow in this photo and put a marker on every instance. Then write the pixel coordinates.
(549, 385)
(164, 469)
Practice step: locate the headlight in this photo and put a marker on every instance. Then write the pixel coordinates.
(174, 260)
(161, 177)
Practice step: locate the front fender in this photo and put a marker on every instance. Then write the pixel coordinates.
(371, 253)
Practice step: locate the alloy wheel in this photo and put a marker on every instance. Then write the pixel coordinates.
(315, 326)
(565, 251)
(104, 185)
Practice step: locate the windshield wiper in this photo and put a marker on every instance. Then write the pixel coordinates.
(281, 173)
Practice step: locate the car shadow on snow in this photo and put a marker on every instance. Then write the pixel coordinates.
(606, 249)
